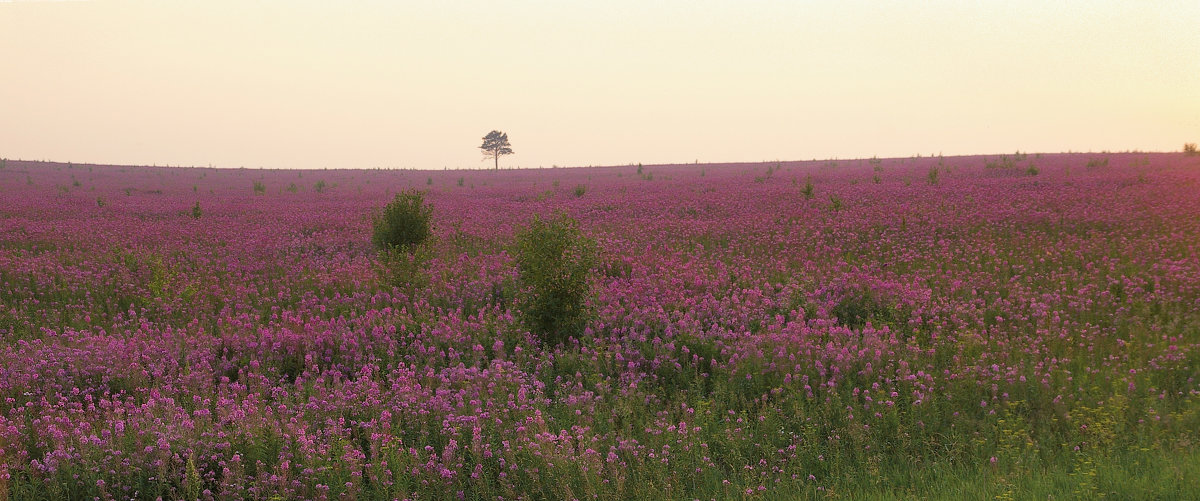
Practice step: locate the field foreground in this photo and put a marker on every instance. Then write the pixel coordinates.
(1012, 327)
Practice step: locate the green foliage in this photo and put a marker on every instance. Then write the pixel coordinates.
(580, 190)
(196, 211)
(259, 188)
(1005, 163)
(808, 189)
(193, 483)
(1190, 150)
(554, 263)
(1032, 170)
(933, 175)
(320, 186)
(861, 306)
(835, 203)
(404, 223)
(406, 270)
(100, 202)
(292, 188)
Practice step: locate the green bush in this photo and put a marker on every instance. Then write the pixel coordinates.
(859, 307)
(1190, 149)
(580, 190)
(406, 270)
(835, 203)
(554, 264)
(404, 223)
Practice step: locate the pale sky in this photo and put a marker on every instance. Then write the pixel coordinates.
(363, 84)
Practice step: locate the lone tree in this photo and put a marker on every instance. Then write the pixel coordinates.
(495, 145)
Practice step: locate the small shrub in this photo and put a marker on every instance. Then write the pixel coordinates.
(292, 188)
(835, 203)
(461, 181)
(1004, 163)
(404, 223)
(808, 189)
(429, 180)
(933, 175)
(1032, 170)
(196, 211)
(100, 202)
(259, 188)
(554, 264)
(1190, 150)
(580, 190)
(859, 307)
(639, 168)
(320, 186)
(406, 270)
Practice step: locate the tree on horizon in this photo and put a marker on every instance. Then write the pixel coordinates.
(495, 144)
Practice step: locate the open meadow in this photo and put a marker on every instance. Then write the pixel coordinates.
(990, 327)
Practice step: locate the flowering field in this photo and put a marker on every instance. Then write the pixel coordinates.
(1008, 326)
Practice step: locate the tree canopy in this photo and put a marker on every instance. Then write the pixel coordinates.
(495, 144)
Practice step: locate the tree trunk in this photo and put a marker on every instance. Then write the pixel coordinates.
(497, 159)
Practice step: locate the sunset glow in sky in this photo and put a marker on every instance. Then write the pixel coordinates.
(303, 84)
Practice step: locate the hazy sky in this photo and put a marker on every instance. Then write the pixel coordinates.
(417, 84)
